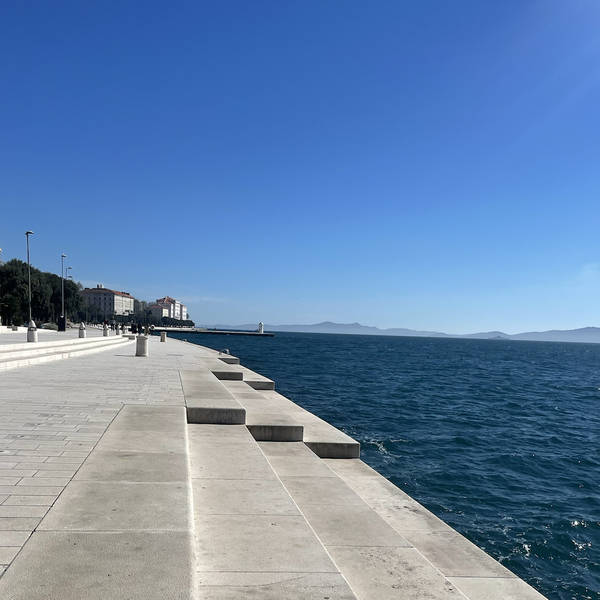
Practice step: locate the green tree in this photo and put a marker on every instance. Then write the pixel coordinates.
(45, 295)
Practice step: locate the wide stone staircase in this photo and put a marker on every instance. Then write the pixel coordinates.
(23, 355)
(242, 494)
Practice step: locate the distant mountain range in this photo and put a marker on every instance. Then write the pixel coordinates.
(584, 334)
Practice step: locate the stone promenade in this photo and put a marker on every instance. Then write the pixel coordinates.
(184, 475)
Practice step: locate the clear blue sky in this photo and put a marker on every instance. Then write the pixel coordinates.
(433, 165)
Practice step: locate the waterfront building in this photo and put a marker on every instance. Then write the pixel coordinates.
(108, 302)
(139, 306)
(157, 311)
(176, 310)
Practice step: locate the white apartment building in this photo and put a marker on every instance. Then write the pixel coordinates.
(158, 311)
(109, 302)
(175, 309)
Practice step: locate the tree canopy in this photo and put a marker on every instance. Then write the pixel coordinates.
(45, 295)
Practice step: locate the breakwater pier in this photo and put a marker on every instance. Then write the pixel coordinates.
(185, 475)
(201, 330)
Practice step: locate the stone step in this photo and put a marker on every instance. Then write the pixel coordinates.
(228, 359)
(208, 401)
(68, 341)
(10, 351)
(122, 527)
(251, 539)
(264, 421)
(325, 440)
(223, 371)
(44, 355)
(465, 566)
(256, 380)
(377, 561)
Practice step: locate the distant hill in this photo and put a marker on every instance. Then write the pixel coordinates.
(584, 334)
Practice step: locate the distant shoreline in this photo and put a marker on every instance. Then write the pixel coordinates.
(585, 335)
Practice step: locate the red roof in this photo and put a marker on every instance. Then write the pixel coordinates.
(115, 292)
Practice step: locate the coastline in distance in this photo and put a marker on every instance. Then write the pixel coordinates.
(583, 334)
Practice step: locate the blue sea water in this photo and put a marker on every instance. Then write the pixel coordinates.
(501, 439)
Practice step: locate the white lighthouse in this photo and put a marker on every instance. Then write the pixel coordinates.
(261, 327)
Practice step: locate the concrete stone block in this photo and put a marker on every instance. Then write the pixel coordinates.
(229, 360)
(351, 526)
(157, 467)
(167, 419)
(273, 586)
(258, 543)
(123, 440)
(132, 565)
(224, 461)
(495, 588)
(241, 496)
(29, 500)
(273, 431)
(18, 524)
(7, 553)
(321, 491)
(376, 573)
(454, 555)
(398, 509)
(103, 506)
(334, 449)
(219, 434)
(13, 538)
(289, 459)
(215, 415)
(227, 374)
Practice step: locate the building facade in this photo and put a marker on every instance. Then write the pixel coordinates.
(157, 311)
(174, 308)
(108, 302)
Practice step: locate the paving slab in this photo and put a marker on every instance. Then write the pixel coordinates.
(289, 459)
(397, 508)
(159, 467)
(242, 497)
(320, 491)
(112, 506)
(456, 556)
(97, 566)
(123, 440)
(495, 588)
(267, 543)
(355, 525)
(273, 586)
(377, 573)
(227, 461)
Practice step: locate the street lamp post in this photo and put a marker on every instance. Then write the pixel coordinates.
(62, 321)
(0, 294)
(32, 335)
(68, 277)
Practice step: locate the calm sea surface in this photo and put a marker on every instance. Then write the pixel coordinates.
(500, 439)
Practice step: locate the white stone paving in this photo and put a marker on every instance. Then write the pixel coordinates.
(52, 416)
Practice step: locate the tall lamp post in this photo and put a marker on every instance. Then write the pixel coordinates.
(0, 294)
(32, 334)
(62, 321)
(68, 277)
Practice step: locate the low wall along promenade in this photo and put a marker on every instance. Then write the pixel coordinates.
(184, 475)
